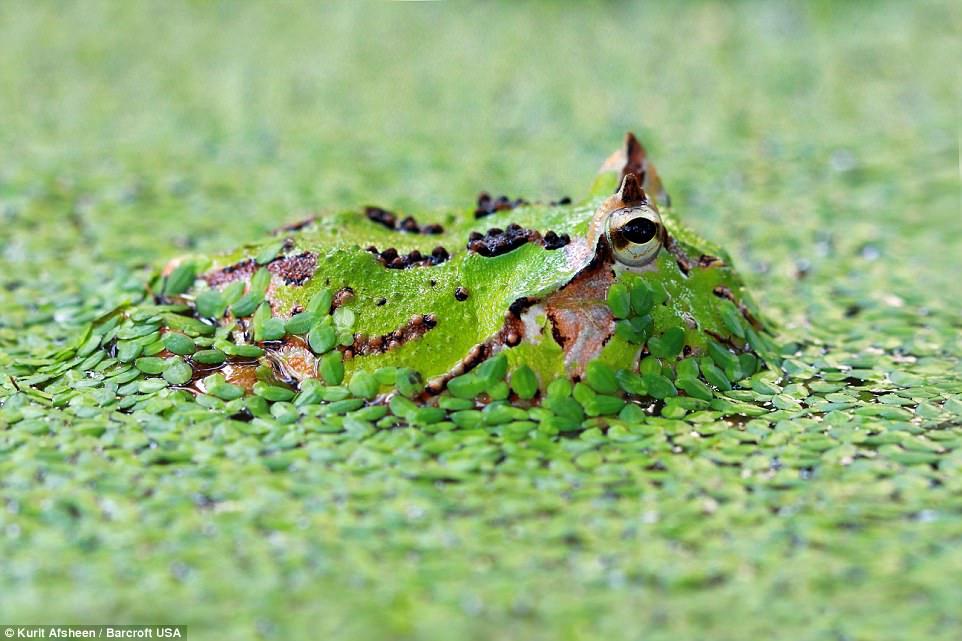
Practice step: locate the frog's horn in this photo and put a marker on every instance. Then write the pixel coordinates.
(632, 158)
(631, 192)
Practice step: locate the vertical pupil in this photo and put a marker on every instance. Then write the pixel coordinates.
(639, 230)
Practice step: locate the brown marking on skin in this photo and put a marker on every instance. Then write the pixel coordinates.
(294, 270)
(729, 341)
(461, 294)
(723, 292)
(581, 321)
(243, 269)
(418, 326)
(293, 361)
(295, 226)
(684, 262)
(241, 374)
(707, 260)
(341, 297)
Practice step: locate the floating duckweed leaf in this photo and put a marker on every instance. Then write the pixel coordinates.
(408, 382)
(344, 319)
(177, 343)
(386, 375)
(151, 364)
(128, 351)
(714, 375)
(247, 304)
(363, 385)
(331, 368)
(467, 385)
(452, 403)
(499, 391)
(565, 407)
(687, 368)
(300, 323)
(188, 325)
(242, 351)
(694, 387)
(650, 365)
(210, 357)
(619, 300)
(272, 392)
(180, 280)
(402, 406)
(631, 382)
(233, 292)
(582, 393)
(493, 370)
(722, 357)
(320, 302)
(260, 281)
(626, 330)
(524, 382)
(269, 253)
(642, 298)
(177, 371)
(601, 377)
(559, 388)
(322, 338)
(603, 405)
(748, 364)
(658, 386)
(210, 303)
(731, 317)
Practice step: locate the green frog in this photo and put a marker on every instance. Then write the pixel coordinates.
(469, 300)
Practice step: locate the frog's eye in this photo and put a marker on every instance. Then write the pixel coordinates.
(635, 235)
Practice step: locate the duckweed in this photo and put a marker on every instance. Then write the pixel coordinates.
(815, 495)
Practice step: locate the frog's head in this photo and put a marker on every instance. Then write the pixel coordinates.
(635, 273)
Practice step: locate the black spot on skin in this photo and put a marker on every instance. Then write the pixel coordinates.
(406, 225)
(552, 240)
(499, 241)
(461, 294)
(380, 302)
(565, 200)
(519, 305)
(391, 259)
(488, 205)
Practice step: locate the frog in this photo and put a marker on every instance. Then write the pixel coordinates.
(558, 290)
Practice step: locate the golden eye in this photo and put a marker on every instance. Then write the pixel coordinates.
(634, 234)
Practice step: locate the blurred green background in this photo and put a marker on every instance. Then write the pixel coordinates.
(817, 142)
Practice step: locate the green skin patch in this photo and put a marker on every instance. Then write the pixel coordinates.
(547, 288)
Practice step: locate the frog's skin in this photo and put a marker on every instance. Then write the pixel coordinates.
(540, 306)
